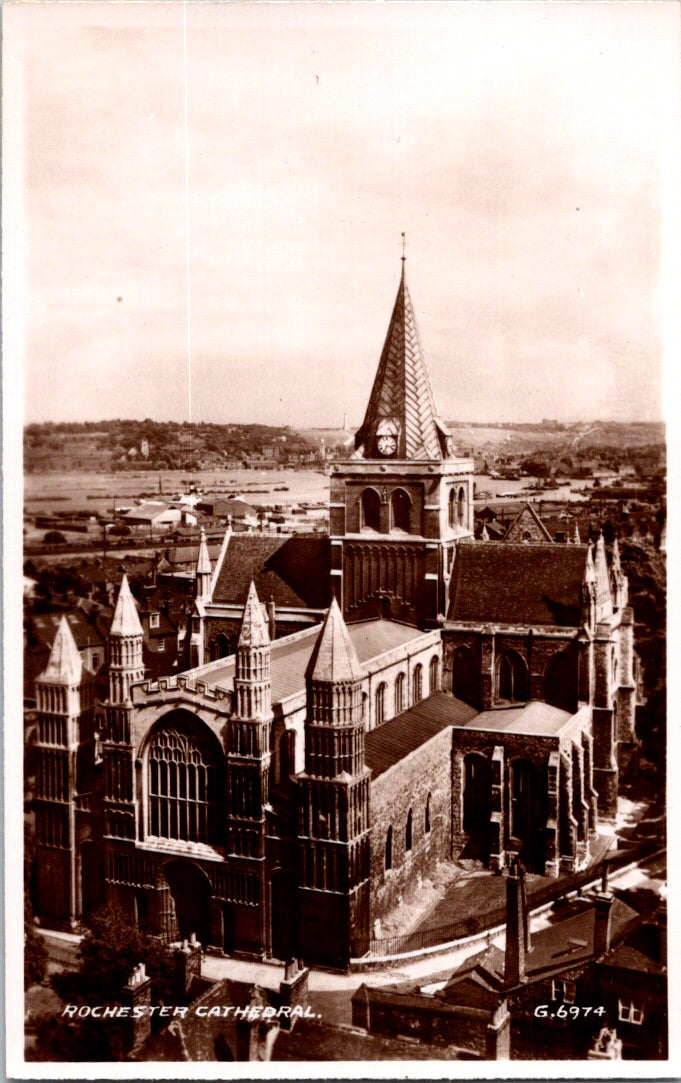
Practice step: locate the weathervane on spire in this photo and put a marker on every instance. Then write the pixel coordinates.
(404, 246)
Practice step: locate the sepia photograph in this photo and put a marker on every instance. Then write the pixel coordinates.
(337, 342)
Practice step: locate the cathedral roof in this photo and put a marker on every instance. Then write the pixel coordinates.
(334, 657)
(389, 743)
(517, 584)
(402, 401)
(65, 666)
(126, 621)
(254, 631)
(294, 572)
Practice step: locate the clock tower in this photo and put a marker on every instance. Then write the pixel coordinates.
(403, 501)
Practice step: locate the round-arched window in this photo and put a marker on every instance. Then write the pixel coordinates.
(371, 510)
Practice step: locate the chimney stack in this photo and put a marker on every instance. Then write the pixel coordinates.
(516, 925)
(602, 916)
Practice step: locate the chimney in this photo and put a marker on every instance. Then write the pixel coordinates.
(602, 916)
(271, 618)
(516, 924)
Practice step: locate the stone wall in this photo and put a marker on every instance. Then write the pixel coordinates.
(406, 786)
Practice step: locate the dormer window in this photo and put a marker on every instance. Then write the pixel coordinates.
(154, 620)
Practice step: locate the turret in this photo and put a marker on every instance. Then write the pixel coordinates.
(126, 665)
(252, 674)
(203, 570)
(334, 802)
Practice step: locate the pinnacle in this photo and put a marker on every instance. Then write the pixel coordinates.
(254, 631)
(334, 657)
(126, 620)
(203, 566)
(64, 666)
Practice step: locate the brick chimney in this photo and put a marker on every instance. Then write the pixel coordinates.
(137, 995)
(516, 925)
(602, 918)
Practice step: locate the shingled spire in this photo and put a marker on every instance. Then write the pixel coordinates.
(401, 420)
(65, 666)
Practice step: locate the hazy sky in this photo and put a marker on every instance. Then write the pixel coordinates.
(519, 145)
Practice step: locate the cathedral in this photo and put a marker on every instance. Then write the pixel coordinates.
(353, 709)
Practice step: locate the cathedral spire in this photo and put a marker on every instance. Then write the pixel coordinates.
(401, 420)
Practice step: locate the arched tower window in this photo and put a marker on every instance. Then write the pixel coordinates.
(426, 818)
(223, 645)
(434, 674)
(511, 678)
(186, 794)
(461, 507)
(399, 693)
(371, 510)
(389, 848)
(452, 508)
(418, 684)
(408, 831)
(400, 511)
(380, 704)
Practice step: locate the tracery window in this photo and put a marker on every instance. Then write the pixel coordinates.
(186, 796)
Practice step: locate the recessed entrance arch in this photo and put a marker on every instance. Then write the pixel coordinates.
(477, 805)
(190, 889)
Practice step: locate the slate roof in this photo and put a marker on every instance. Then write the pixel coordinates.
(518, 584)
(85, 634)
(391, 742)
(402, 391)
(294, 571)
(290, 657)
(536, 717)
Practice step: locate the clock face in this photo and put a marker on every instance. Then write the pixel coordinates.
(386, 445)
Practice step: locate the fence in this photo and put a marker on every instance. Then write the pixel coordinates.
(421, 939)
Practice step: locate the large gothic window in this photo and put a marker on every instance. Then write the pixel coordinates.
(371, 510)
(400, 511)
(186, 797)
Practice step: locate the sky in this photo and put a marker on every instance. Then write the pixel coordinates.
(217, 236)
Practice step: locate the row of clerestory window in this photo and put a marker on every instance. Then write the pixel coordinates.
(399, 693)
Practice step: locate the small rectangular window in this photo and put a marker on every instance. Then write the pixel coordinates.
(161, 645)
(154, 620)
(563, 992)
(630, 1012)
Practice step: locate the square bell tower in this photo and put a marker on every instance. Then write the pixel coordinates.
(403, 501)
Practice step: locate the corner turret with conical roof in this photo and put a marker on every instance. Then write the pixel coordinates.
(126, 664)
(334, 800)
(401, 503)
(64, 767)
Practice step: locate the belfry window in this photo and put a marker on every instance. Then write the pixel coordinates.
(186, 799)
(400, 511)
(371, 510)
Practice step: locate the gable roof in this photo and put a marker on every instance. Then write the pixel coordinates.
(517, 584)
(402, 390)
(527, 519)
(293, 571)
(391, 742)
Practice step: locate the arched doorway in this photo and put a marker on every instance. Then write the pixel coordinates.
(527, 814)
(465, 675)
(477, 804)
(190, 889)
